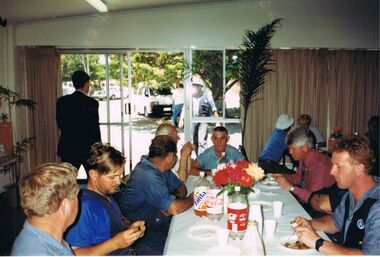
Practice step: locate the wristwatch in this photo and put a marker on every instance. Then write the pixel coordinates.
(291, 189)
(319, 243)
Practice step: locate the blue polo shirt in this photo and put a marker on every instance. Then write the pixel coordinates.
(371, 238)
(209, 160)
(275, 146)
(147, 192)
(35, 242)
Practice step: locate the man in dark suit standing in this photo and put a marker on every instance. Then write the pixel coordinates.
(78, 119)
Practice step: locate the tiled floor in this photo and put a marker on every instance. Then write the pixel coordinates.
(11, 222)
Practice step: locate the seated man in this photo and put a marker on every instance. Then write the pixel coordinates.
(101, 229)
(182, 166)
(49, 201)
(304, 120)
(276, 146)
(208, 160)
(357, 216)
(313, 172)
(153, 193)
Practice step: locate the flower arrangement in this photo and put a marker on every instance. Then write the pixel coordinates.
(241, 173)
(336, 133)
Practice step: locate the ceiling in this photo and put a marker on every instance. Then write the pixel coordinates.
(20, 11)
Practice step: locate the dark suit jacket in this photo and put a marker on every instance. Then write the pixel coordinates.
(78, 119)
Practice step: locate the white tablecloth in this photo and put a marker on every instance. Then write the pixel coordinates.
(179, 243)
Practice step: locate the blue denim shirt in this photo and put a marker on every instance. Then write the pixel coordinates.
(148, 192)
(32, 241)
(275, 146)
(371, 240)
(209, 160)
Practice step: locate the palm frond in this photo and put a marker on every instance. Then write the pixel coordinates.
(255, 62)
(30, 104)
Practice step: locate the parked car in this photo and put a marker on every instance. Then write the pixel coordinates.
(152, 102)
(67, 88)
(114, 93)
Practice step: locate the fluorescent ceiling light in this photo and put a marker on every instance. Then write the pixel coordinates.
(98, 5)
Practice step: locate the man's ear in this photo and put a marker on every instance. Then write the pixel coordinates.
(64, 206)
(93, 174)
(360, 169)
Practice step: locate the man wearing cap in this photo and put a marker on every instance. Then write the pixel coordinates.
(203, 106)
(276, 146)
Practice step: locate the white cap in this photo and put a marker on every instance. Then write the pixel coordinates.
(197, 81)
(237, 188)
(201, 174)
(284, 122)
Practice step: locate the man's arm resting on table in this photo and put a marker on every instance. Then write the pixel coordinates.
(181, 205)
(320, 203)
(121, 240)
(196, 168)
(181, 191)
(330, 248)
(325, 224)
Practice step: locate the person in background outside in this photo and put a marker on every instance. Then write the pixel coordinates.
(183, 164)
(154, 194)
(357, 216)
(49, 200)
(313, 172)
(304, 120)
(373, 136)
(208, 160)
(101, 229)
(78, 119)
(178, 101)
(203, 106)
(276, 146)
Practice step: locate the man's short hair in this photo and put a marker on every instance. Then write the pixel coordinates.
(306, 118)
(104, 158)
(161, 146)
(359, 149)
(164, 129)
(79, 78)
(43, 190)
(220, 129)
(299, 137)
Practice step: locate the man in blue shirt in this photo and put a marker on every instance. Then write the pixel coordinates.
(154, 193)
(49, 200)
(357, 216)
(101, 228)
(208, 160)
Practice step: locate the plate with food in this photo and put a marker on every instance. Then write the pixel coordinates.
(269, 184)
(292, 245)
(203, 232)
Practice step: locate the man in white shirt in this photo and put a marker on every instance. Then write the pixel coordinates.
(178, 101)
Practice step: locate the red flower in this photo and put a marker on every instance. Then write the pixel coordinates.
(221, 178)
(246, 180)
(234, 174)
(337, 129)
(242, 165)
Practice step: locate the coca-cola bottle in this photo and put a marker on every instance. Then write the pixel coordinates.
(214, 204)
(252, 242)
(201, 186)
(237, 214)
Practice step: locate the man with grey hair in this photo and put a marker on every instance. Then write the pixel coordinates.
(314, 168)
(183, 164)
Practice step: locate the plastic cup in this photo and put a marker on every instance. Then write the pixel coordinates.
(222, 235)
(277, 208)
(269, 227)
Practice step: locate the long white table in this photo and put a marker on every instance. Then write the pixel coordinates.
(179, 243)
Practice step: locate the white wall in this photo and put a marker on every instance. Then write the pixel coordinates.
(307, 23)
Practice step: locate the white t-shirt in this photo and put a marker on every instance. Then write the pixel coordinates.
(178, 96)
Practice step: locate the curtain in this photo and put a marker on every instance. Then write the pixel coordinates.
(333, 87)
(42, 76)
(354, 84)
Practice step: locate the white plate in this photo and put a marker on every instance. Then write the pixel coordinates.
(203, 232)
(224, 250)
(265, 205)
(269, 184)
(293, 238)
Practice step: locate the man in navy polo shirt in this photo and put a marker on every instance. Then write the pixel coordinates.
(101, 228)
(153, 193)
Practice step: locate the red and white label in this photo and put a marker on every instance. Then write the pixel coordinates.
(237, 219)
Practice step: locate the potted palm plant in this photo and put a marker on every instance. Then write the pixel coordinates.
(255, 62)
(10, 161)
